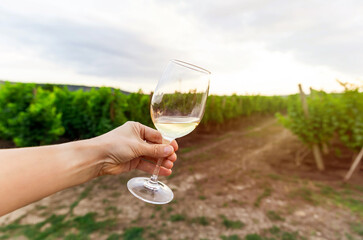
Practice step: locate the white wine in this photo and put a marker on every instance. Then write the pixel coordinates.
(176, 127)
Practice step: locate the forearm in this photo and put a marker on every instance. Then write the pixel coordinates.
(29, 174)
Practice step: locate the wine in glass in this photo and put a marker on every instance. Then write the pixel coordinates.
(177, 107)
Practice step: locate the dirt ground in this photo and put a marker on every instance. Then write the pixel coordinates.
(238, 182)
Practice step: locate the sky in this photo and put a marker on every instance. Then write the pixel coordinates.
(250, 46)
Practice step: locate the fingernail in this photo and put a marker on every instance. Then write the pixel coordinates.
(168, 149)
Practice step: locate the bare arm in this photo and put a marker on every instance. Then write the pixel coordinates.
(30, 174)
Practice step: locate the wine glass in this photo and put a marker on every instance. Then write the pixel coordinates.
(177, 107)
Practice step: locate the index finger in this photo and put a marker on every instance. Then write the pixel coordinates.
(151, 135)
(174, 144)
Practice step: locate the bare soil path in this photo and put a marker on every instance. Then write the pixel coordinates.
(228, 185)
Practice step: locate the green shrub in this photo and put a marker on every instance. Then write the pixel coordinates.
(138, 108)
(14, 99)
(36, 124)
(89, 114)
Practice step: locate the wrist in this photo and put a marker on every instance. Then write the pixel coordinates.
(89, 159)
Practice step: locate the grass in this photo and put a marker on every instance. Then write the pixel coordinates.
(153, 235)
(158, 207)
(348, 197)
(115, 194)
(232, 237)
(133, 233)
(40, 207)
(83, 195)
(175, 201)
(6, 236)
(349, 237)
(88, 224)
(274, 216)
(202, 197)
(114, 236)
(266, 193)
(253, 236)
(105, 187)
(177, 218)
(327, 190)
(290, 236)
(357, 228)
(58, 225)
(274, 233)
(201, 220)
(303, 193)
(353, 204)
(274, 230)
(123, 180)
(174, 174)
(353, 187)
(186, 150)
(111, 209)
(232, 224)
(281, 178)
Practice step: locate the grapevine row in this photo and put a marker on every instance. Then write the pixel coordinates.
(34, 115)
(328, 116)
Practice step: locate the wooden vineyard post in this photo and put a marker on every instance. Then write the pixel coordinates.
(354, 165)
(325, 148)
(303, 102)
(316, 150)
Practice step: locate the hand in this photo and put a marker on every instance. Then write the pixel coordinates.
(130, 146)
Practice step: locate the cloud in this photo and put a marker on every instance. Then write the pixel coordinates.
(317, 33)
(272, 45)
(93, 50)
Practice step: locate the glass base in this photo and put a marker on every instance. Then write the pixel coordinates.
(148, 191)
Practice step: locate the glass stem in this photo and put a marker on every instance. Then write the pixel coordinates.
(155, 175)
(152, 183)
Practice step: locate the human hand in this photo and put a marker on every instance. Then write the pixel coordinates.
(126, 148)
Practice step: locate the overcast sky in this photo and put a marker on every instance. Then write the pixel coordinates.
(251, 47)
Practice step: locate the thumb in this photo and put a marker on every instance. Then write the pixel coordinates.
(156, 150)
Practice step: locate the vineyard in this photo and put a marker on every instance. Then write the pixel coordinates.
(249, 172)
(33, 115)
